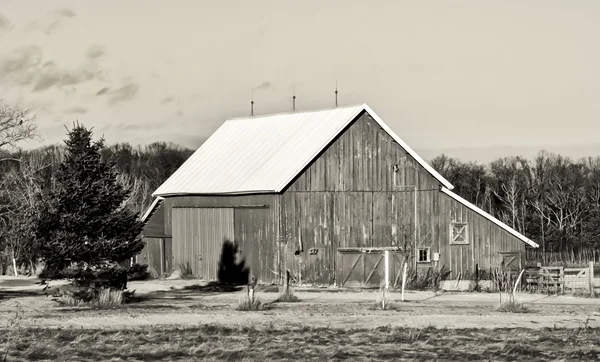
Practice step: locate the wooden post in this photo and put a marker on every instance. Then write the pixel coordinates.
(14, 264)
(404, 280)
(387, 269)
(591, 274)
(561, 280)
(517, 283)
(286, 282)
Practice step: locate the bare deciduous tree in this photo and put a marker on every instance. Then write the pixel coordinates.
(16, 125)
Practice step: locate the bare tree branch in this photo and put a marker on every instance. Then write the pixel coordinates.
(16, 125)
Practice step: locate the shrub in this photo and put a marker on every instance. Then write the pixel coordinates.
(382, 302)
(104, 298)
(287, 297)
(246, 304)
(428, 280)
(185, 271)
(141, 272)
(513, 307)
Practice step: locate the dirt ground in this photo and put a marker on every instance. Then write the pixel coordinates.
(176, 304)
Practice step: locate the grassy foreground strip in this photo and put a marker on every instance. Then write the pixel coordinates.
(213, 342)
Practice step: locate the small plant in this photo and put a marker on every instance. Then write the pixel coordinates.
(429, 280)
(105, 298)
(513, 307)
(382, 302)
(141, 272)
(254, 304)
(287, 297)
(185, 271)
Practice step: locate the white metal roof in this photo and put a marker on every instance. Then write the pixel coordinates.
(512, 231)
(263, 154)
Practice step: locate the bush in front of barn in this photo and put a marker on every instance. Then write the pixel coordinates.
(84, 232)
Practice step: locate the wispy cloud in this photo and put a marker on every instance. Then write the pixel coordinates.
(124, 94)
(102, 91)
(263, 85)
(18, 66)
(4, 23)
(76, 110)
(66, 13)
(24, 66)
(52, 22)
(167, 100)
(52, 76)
(95, 51)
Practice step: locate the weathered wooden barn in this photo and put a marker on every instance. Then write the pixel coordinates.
(322, 194)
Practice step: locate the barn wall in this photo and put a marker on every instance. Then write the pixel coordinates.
(362, 159)
(353, 195)
(485, 239)
(256, 228)
(155, 224)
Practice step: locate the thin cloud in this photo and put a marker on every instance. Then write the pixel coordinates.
(124, 94)
(53, 76)
(167, 100)
(76, 110)
(67, 13)
(19, 65)
(102, 91)
(95, 51)
(263, 85)
(4, 23)
(52, 22)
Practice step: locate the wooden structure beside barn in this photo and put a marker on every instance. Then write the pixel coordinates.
(322, 195)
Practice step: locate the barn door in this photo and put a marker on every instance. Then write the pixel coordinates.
(198, 236)
(511, 259)
(360, 270)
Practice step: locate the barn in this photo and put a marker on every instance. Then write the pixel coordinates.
(324, 195)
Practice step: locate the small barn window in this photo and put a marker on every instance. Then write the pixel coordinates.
(459, 233)
(424, 255)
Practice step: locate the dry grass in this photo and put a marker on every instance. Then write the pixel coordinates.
(246, 305)
(107, 298)
(287, 297)
(218, 343)
(513, 307)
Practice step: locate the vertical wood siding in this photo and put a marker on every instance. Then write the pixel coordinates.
(155, 224)
(350, 196)
(256, 229)
(198, 237)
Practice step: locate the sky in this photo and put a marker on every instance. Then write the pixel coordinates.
(467, 77)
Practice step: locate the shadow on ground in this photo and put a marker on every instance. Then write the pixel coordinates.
(10, 294)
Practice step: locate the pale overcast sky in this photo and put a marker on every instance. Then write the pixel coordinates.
(443, 74)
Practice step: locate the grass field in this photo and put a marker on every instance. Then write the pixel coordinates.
(186, 320)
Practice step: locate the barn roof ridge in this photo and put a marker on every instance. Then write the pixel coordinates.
(491, 218)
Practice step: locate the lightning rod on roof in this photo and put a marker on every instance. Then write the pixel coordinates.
(294, 101)
(336, 94)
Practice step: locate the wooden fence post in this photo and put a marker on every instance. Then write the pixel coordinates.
(562, 280)
(591, 274)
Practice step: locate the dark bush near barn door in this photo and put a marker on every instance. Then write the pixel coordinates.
(232, 271)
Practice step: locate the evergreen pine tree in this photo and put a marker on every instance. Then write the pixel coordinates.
(84, 231)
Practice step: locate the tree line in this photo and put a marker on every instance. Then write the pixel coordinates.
(552, 199)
